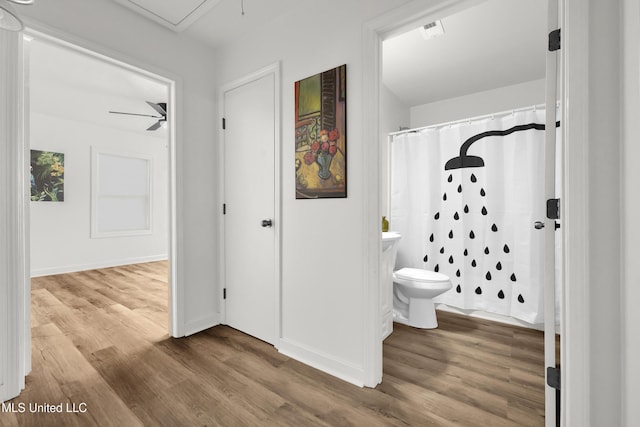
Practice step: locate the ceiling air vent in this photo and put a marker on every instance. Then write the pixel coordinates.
(432, 29)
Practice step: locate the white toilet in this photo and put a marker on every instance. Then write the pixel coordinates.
(413, 293)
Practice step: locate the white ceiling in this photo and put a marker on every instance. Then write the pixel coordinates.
(176, 15)
(66, 83)
(497, 43)
(494, 44)
(226, 22)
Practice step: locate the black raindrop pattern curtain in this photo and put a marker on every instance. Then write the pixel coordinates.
(474, 220)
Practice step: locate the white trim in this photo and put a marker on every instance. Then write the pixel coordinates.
(198, 325)
(13, 166)
(576, 325)
(174, 120)
(96, 233)
(97, 265)
(26, 255)
(374, 32)
(273, 69)
(630, 230)
(324, 362)
(372, 244)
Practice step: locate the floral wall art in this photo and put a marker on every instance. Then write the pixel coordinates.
(47, 176)
(320, 135)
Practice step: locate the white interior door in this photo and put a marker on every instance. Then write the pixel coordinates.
(552, 408)
(249, 191)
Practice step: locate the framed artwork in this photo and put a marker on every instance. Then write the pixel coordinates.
(47, 176)
(321, 135)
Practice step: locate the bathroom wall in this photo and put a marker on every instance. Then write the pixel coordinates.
(394, 115)
(478, 104)
(61, 231)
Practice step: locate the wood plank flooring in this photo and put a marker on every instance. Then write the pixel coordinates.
(100, 339)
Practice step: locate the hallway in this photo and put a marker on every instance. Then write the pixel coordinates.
(100, 339)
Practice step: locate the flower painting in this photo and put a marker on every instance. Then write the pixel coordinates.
(320, 135)
(47, 176)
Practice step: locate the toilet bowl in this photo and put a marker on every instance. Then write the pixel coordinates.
(413, 293)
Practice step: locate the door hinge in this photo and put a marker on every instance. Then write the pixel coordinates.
(553, 208)
(224, 293)
(224, 209)
(224, 123)
(554, 40)
(553, 377)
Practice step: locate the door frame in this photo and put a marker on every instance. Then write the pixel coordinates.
(575, 342)
(272, 69)
(174, 119)
(15, 333)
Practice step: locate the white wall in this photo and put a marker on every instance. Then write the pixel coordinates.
(322, 241)
(61, 231)
(113, 30)
(394, 113)
(479, 104)
(604, 145)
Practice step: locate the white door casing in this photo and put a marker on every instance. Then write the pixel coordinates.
(250, 248)
(14, 282)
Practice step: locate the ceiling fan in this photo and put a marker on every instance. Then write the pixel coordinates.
(159, 107)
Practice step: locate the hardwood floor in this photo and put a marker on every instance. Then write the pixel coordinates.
(100, 345)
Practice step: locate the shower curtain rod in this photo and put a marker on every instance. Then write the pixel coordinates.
(472, 119)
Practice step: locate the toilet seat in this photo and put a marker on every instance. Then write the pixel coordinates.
(420, 276)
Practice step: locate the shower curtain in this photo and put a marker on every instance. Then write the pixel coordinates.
(475, 223)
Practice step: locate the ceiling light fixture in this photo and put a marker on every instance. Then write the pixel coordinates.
(432, 29)
(9, 19)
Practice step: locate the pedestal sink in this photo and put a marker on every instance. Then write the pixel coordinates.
(390, 241)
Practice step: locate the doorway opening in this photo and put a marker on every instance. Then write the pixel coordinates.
(459, 106)
(102, 184)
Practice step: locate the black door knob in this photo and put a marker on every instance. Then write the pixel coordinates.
(267, 223)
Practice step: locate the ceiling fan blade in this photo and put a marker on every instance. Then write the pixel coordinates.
(160, 107)
(156, 125)
(136, 114)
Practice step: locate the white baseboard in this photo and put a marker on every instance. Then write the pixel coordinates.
(38, 272)
(491, 316)
(194, 326)
(323, 362)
